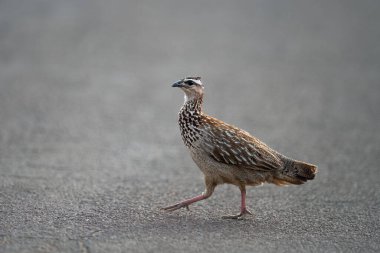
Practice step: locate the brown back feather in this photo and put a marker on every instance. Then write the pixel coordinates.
(231, 145)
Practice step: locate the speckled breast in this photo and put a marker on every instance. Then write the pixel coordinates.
(189, 122)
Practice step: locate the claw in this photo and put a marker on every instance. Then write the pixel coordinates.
(239, 216)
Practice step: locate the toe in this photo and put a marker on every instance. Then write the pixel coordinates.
(174, 207)
(233, 217)
(239, 216)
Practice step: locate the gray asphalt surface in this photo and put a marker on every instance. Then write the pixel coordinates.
(90, 148)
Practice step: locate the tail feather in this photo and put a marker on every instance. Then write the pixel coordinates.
(296, 172)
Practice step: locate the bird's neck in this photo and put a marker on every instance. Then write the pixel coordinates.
(193, 104)
(190, 118)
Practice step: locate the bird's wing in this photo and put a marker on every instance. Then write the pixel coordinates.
(230, 145)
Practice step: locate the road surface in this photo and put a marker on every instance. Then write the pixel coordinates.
(89, 143)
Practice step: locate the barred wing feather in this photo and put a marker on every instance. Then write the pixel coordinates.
(230, 145)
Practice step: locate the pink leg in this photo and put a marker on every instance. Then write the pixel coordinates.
(243, 209)
(185, 203)
(210, 186)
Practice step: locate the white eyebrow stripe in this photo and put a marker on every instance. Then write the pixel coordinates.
(194, 80)
(197, 81)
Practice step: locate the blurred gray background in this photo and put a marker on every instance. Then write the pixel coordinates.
(89, 143)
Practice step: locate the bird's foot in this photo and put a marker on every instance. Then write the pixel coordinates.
(239, 216)
(176, 207)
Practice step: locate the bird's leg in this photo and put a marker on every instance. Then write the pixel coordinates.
(185, 203)
(243, 209)
(209, 190)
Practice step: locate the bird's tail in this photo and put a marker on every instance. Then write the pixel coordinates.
(295, 172)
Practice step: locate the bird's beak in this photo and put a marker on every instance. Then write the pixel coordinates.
(178, 84)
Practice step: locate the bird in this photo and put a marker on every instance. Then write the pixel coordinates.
(229, 155)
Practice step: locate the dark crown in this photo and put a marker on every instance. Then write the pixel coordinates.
(194, 78)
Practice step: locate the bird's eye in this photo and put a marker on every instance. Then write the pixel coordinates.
(189, 82)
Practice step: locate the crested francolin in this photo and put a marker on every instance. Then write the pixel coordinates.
(227, 154)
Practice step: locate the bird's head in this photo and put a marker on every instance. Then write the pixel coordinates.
(192, 86)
